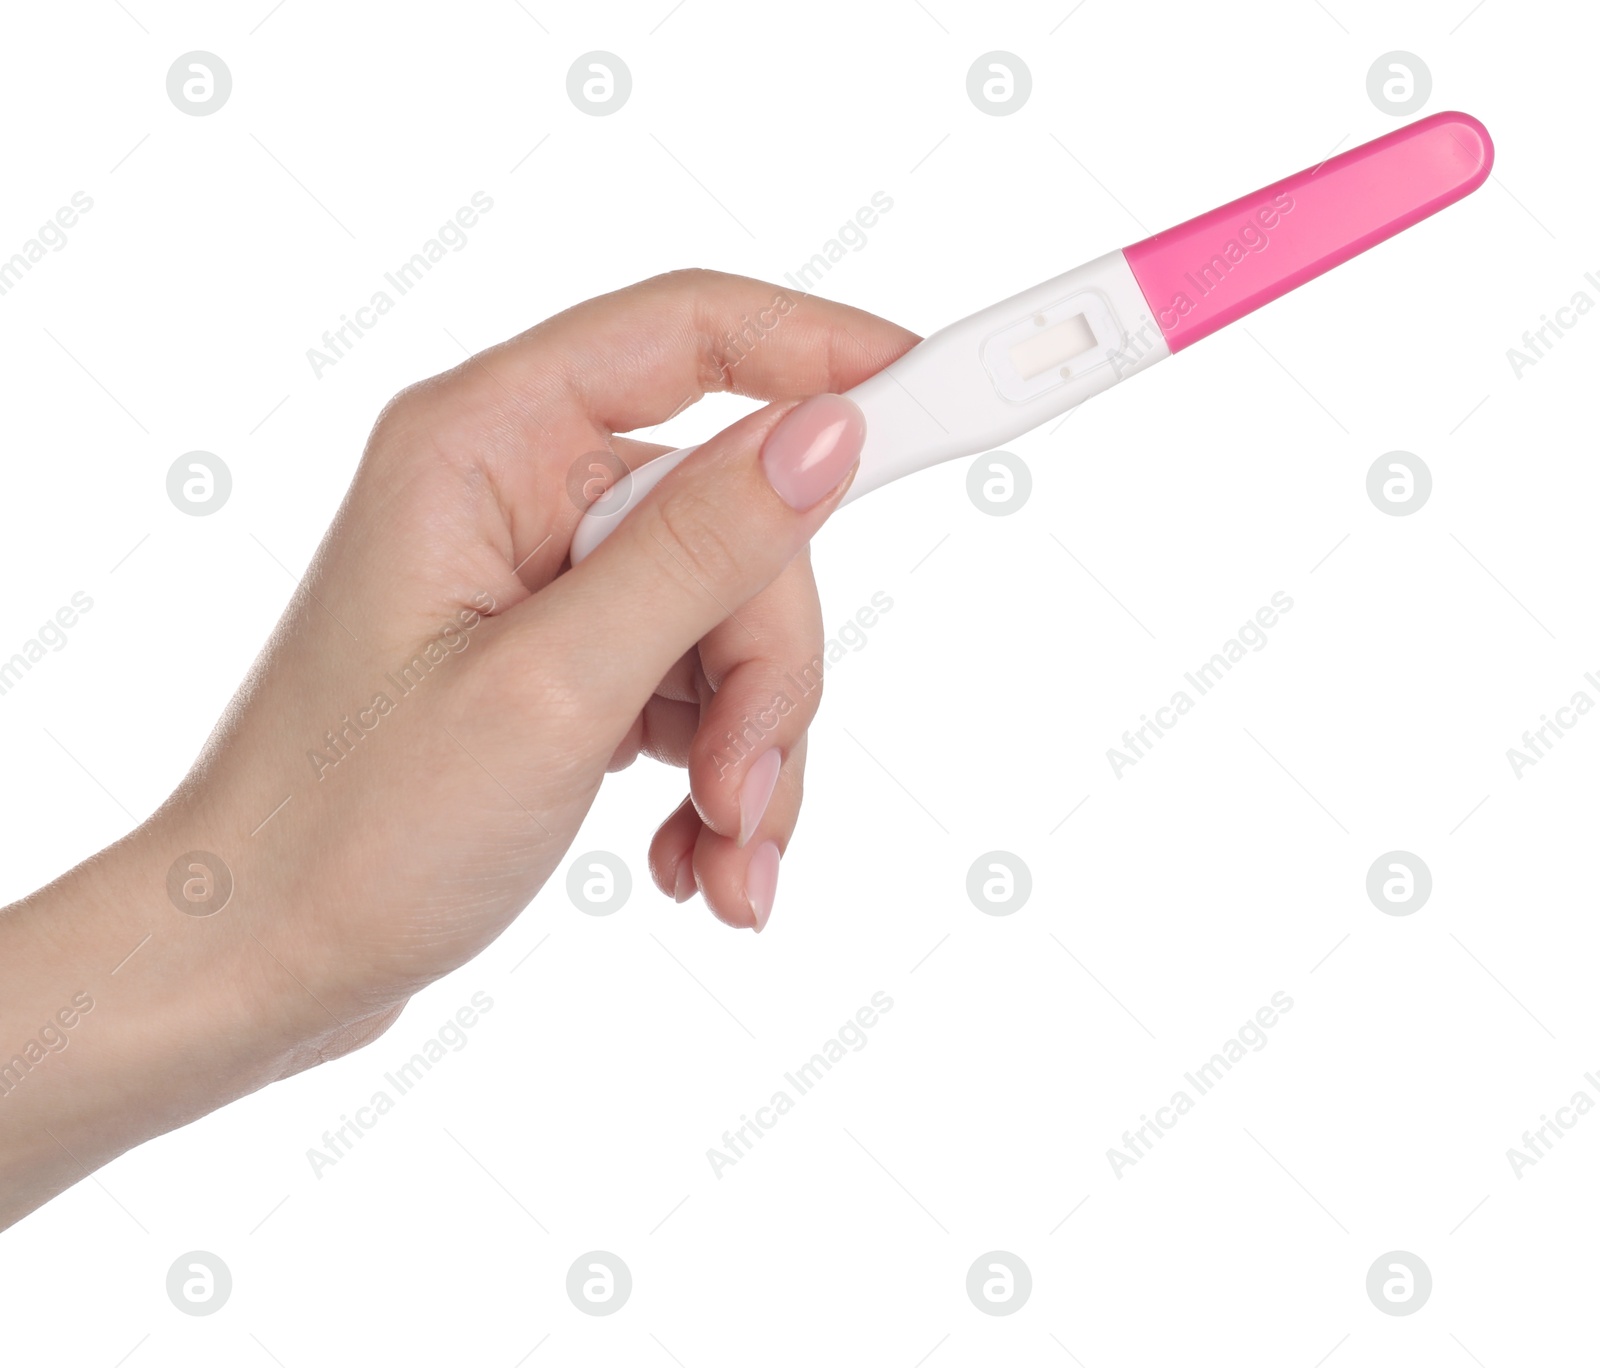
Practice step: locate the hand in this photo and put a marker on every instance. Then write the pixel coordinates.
(414, 750)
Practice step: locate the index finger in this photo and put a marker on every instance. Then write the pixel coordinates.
(633, 358)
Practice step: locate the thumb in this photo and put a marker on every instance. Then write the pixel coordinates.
(707, 539)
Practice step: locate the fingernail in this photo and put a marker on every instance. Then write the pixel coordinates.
(756, 792)
(813, 449)
(685, 885)
(761, 882)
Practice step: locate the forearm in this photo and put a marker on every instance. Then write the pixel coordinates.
(122, 1018)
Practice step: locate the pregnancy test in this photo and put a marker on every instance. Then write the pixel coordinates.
(1010, 367)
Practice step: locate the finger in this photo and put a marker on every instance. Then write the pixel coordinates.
(782, 814)
(672, 852)
(740, 883)
(716, 531)
(627, 749)
(633, 358)
(767, 684)
(666, 726)
(669, 729)
(544, 405)
(682, 681)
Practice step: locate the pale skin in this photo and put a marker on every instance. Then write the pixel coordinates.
(403, 860)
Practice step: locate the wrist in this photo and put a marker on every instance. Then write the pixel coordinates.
(128, 1011)
(236, 916)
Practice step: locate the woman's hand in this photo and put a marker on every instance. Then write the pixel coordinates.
(414, 750)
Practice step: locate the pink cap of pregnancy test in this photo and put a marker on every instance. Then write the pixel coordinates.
(1205, 273)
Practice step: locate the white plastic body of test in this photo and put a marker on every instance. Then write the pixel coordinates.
(957, 392)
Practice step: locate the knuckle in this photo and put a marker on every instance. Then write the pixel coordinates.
(412, 418)
(437, 424)
(421, 400)
(689, 277)
(713, 371)
(402, 415)
(698, 551)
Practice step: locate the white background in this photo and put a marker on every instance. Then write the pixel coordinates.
(1228, 865)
